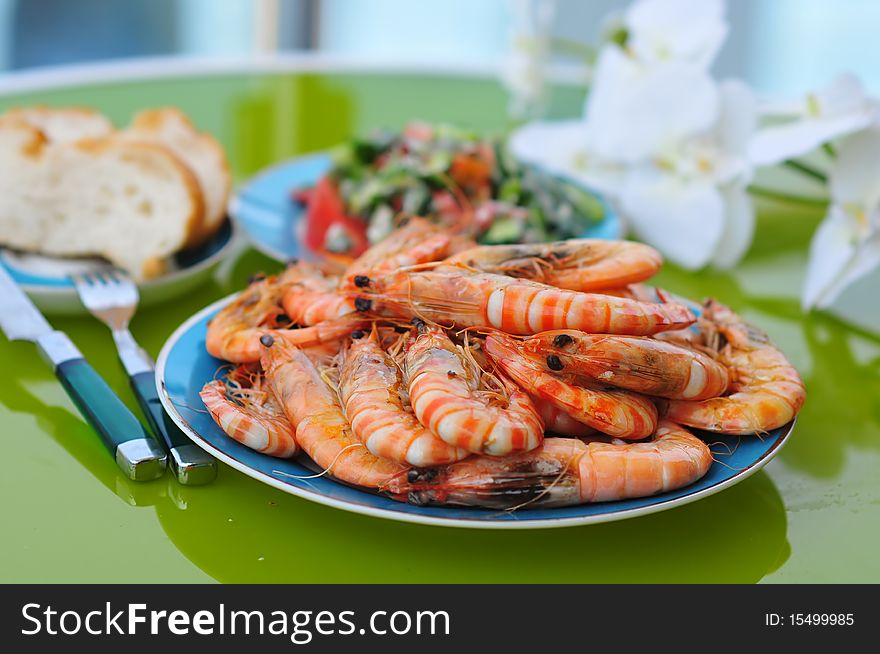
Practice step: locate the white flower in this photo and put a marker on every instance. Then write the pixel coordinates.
(661, 137)
(846, 246)
(683, 30)
(690, 201)
(839, 109)
(524, 71)
(634, 109)
(687, 198)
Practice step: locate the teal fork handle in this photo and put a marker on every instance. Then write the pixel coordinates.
(144, 386)
(190, 465)
(122, 433)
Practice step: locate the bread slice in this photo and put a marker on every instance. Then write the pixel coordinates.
(66, 125)
(200, 151)
(134, 204)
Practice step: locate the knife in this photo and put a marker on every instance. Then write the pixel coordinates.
(136, 453)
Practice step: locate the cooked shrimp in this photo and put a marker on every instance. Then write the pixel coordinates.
(418, 241)
(765, 389)
(566, 471)
(558, 421)
(444, 388)
(577, 264)
(239, 344)
(636, 363)
(257, 306)
(247, 412)
(618, 413)
(376, 404)
(322, 431)
(310, 295)
(516, 306)
(314, 307)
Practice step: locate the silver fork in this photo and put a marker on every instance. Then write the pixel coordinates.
(112, 297)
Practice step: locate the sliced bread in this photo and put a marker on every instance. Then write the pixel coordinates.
(198, 150)
(65, 125)
(134, 204)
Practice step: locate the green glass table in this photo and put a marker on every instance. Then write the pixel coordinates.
(812, 515)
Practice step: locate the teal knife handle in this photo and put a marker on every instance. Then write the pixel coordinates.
(98, 403)
(144, 386)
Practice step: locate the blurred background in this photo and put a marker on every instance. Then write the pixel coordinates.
(809, 40)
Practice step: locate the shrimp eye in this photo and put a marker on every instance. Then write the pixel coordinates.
(424, 474)
(267, 340)
(361, 281)
(562, 340)
(419, 324)
(357, 334)
(363, 304)
(451, 374)
(554, 363)
(256, 278)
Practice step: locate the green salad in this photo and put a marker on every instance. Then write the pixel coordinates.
(446, 174)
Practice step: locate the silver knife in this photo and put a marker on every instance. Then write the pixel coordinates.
(137, 454)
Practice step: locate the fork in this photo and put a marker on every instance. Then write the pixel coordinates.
(112, 297)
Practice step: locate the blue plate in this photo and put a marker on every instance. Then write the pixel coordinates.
(47, 279)
(263, 207)
(184, 367)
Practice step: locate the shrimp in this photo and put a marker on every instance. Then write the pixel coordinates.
(418, 241)
(257, 306)
(315, 307)
(247, 412)
(234, 333)
(322, 431)
(558, 421)
(766, 391)
(577, 264)
(618, 413)
(376, 404)
(636, 363)
(567, 471)
(516, 306)
(310, 297)
(244, 345)
(444, 389)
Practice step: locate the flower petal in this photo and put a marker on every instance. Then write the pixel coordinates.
(739, 227)
(774, 144)
(836, 110)
(558, 148)
(854, 177)
(837, 259)
(843, 95)
(633, 110)
(676, 29)
(682, 218)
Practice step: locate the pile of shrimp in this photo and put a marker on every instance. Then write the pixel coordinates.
(437, 371)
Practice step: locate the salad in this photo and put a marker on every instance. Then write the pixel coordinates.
(443, 173)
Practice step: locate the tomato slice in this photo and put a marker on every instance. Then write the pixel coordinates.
(325, 210)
